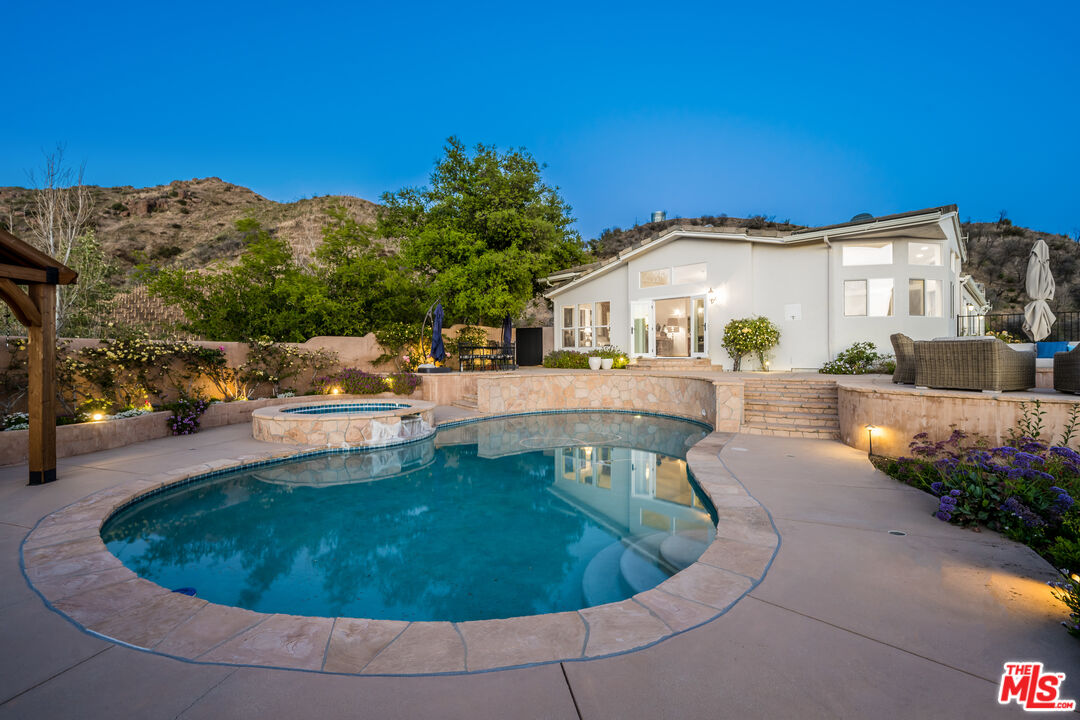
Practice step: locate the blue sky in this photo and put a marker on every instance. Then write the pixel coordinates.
(812, 112)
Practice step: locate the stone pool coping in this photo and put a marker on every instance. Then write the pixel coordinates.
(65, 560)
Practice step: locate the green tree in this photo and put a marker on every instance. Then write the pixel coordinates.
(484, 232)
(266, 294)
(369, 288)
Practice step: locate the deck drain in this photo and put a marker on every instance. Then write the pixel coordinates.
(897, 532)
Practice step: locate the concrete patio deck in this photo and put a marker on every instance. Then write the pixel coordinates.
(850, 621)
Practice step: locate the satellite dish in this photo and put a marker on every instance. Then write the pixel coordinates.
(862, 216)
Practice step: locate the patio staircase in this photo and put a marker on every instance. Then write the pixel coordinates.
(673, 364)
(791, 408)
(466, 401)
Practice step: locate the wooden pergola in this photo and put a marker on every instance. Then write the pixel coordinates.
(35, 307)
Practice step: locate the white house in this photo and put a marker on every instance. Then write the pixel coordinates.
(825, 287)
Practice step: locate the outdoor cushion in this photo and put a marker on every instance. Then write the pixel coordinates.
(1049, 349)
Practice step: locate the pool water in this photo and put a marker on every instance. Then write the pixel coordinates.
(341, 408)
(494, 519)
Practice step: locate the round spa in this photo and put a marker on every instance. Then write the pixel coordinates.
(345, 423)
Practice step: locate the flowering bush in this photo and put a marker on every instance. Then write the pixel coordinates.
(15, 421)
(755, 335)
(1024, 489)
(351, 381)
(186, 413)
(859, 359)
(566, 360)
(1004, 336)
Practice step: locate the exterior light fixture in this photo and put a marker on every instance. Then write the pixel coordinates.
(98, 417)
(336, 391)
(870, 431)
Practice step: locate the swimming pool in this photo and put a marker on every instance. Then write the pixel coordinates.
(492, 519)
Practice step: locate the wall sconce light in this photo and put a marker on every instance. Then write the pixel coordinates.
(871, 430)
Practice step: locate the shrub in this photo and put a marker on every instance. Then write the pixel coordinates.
(566, 360)
(357, 382)
(859, 359)
(186, 413)
(755, 335)
(1004, 336)
(1023, 489)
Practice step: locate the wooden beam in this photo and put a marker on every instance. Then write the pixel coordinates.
(26, 274)
(20, 303)
(41, 398)
(29, 255)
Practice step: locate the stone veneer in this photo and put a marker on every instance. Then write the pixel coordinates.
(717, 403)
(350, 429)
(65, 559)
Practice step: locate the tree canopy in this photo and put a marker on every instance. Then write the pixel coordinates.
(484, 232)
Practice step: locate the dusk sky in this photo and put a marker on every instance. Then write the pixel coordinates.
(809, 112)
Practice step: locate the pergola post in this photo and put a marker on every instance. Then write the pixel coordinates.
(41, 396)
(35, 309)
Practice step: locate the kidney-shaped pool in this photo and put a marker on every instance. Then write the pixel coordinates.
(491, 519)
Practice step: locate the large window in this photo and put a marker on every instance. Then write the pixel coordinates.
(586, 325)
(686, 274)
(879, 253)
(871, 298)
(924, 253)
(654, 278)
(925, 298)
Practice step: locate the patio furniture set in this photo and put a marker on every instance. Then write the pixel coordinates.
(977, 363)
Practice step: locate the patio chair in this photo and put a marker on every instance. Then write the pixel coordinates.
(973, 363)
(1067, 371)
(904, 349)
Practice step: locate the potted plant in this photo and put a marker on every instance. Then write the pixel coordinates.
(606, 363)
(594, 362)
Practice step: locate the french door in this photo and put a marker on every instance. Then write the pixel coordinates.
(669, 327)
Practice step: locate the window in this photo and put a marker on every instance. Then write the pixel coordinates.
(654, 278)
(920, 253)
(568, 326)
(868, 254)
(873, 298)
(925, 298)
(585, 332)
(686, 274)
(586, 325)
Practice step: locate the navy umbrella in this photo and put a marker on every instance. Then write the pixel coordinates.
(438, 352)
(508, 331)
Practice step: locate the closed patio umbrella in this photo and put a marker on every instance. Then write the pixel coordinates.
(508, 330)
(438, 351)
(1040, 287)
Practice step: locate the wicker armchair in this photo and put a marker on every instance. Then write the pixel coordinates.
(973, 364)
(1067, 371)
(904, 350)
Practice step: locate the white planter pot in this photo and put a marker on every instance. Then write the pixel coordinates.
(606, 363)
(594, 363)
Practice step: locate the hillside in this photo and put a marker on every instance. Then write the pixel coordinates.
(187, 222)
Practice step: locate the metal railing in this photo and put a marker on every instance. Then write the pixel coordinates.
(1065, 329)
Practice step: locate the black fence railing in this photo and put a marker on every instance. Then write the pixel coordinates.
(1066, 327)
(493, 356)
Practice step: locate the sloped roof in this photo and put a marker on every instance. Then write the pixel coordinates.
(23, 263)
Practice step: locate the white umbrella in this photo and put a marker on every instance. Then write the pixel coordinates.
(1040, 288)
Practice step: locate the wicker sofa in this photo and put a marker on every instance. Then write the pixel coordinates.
(1067, 371)
(904, 350)
(975, 363)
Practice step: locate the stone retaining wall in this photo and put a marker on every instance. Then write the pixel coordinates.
(900, 412)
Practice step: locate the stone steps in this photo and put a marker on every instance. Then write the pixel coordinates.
(791, 408)
(673, 364)
(467, 402)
